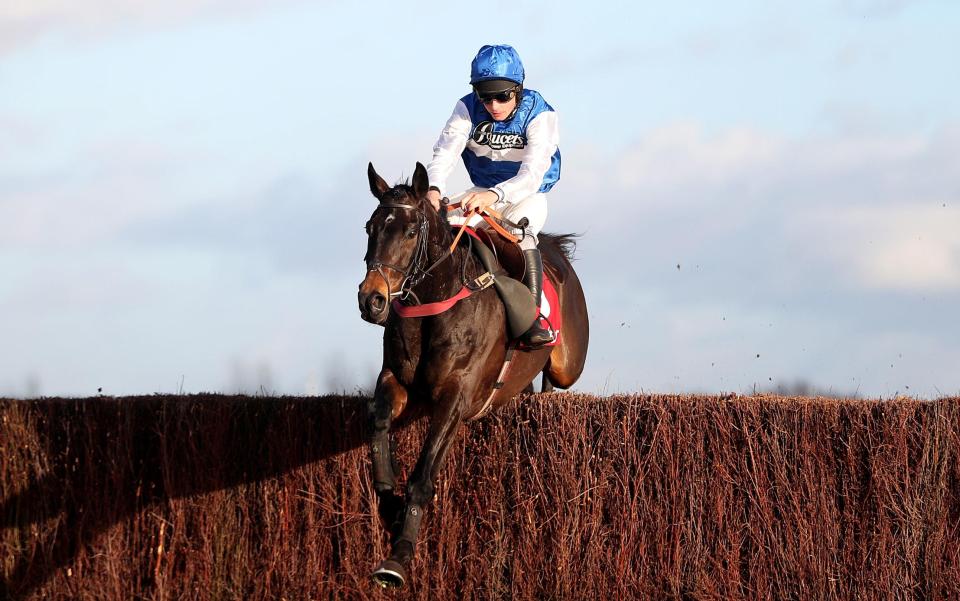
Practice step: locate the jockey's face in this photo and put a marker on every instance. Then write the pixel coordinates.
(500, 110)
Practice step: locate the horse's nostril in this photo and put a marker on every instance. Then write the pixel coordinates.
(377, 303)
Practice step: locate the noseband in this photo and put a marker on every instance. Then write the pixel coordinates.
(414, 272)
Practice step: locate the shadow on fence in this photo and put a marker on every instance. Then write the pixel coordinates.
(97, 462)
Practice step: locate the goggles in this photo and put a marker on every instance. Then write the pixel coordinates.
(505, 96)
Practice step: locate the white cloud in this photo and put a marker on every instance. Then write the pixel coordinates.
(912, 247)
(681, 155)
(23, 21)
(875, 8)
(857, 205)
(17, 134)
(110, 186)
(686, 164)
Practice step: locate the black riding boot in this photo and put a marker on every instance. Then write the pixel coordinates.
(537, 335)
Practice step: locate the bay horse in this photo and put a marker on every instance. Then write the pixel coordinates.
(445, 365)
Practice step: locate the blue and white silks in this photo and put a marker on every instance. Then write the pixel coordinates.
(516, 158)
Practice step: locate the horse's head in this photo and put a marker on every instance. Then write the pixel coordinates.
(397, 236)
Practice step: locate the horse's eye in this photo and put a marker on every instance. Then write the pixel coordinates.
(411, 230)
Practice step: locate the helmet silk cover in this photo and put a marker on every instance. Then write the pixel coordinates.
(496, 62)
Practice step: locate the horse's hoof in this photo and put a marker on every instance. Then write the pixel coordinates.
(389, 574)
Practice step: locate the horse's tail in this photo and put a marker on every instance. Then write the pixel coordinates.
(565, 244)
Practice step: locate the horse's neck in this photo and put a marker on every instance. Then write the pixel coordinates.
(448, 276)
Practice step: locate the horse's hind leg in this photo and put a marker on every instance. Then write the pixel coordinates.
(388, 400)
(568, 358)
(546, 384)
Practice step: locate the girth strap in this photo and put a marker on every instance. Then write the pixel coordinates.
(501, 380)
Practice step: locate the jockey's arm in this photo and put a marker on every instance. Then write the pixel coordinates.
(446, 152)
(543, 138)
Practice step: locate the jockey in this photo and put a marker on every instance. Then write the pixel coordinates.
(508, 140)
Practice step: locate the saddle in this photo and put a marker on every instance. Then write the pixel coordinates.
(504, 260)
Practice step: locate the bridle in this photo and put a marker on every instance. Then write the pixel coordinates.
(414, 273)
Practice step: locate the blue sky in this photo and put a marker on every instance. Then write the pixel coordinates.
(182, 187)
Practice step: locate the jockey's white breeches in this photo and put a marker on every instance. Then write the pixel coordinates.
(533, 207)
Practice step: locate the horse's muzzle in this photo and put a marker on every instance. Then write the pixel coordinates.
(373, 306)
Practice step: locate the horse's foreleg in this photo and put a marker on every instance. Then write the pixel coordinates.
(444, 425)
(388, 400)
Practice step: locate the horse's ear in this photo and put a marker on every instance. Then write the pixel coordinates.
(420, 181)
(377, 186)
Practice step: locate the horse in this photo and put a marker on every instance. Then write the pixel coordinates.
(452, 365)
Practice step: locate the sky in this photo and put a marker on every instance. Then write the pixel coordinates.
(767, 193)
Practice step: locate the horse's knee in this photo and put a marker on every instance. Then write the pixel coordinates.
(391, 396)
(420, 492)
(379, 422)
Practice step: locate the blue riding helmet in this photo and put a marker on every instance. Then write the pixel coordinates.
(496, 62)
